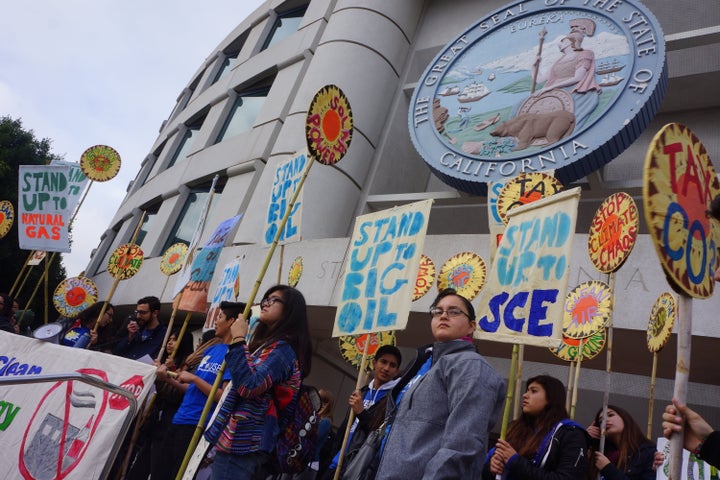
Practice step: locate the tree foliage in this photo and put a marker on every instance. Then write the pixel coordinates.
(20, 147)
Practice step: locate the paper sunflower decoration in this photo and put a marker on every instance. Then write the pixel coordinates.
(7, 217)
(587, 309)
(662, 320)
(425, 277)
(353, 346)
(125, 261)
(329, 125)
(73, 295)
(465, 272)
(100, 163)
(173, 258)
(526, 188)
(569, 347)
(296, 271)
(613, 232)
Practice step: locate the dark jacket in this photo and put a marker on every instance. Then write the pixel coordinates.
(137, 348)
(566, 458)
(710, 450)
(639, 466)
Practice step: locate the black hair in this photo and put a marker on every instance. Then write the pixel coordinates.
(207, 335)
(292, 327)
(389, 350)
(527, 432)
(152, 302)
(232, 309)
(715, 208)
(89, 316)
(451, 291)
(6, 310)
(184, 347)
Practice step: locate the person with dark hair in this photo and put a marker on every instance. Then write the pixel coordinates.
(145, 334)
(445, 404)
(368, 404)
(197, 386)
(543, 443)
(629, 455)
(699, 437)
(82, 333)
(266, 376)
(158, 419)
(6, 313)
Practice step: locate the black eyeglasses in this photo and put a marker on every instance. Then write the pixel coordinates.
(266, 302)
(450, 312)
(141, 312)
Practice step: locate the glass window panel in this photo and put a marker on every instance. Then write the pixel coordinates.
(147, 224)
(227, 65)
(184, 148)
(285, 25)
(189, 217)
(243, 114)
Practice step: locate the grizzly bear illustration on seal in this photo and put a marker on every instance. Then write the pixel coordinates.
(551, 126)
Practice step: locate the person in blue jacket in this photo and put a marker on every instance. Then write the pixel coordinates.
(543, 443)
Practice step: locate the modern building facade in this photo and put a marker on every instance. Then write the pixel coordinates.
(243, 113)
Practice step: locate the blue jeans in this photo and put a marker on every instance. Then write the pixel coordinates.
(239, 467)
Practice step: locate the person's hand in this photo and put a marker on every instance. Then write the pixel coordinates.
(161, 372)
(601, 461)
(497, 463)
(356, 402)
(696, 428)
(93, 337)
(239, 327)
(594, 431)
(132, 328)
(185, 377)
(658, 460)
(504, 449)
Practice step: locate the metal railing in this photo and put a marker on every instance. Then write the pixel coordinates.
(95, 382)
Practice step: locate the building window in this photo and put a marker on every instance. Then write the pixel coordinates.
(187, 222)
(147, 224)
(243, 113)
(231, 54)
(186, 143)
(285, 25)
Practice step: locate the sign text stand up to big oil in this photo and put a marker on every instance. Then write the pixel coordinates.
(679, 184)
(328, 132)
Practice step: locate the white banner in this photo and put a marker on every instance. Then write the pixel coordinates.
(77, 182)
(285, 182)
(380, 270)
(692, 467)
(44, 207)
(66, 429)
(524, 296)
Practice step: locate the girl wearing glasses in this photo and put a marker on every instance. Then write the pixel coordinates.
(445, 404)
(266, 373)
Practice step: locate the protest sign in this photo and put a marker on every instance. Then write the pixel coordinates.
(44, 207)
(524, 296)
(7, 217)
(195, 293)
(77, 181)
(285, 182)
(224, 292)
(692, 467)
(54, 429)
(381, 268)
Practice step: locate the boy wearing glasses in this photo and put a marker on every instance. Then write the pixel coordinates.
(144, 334)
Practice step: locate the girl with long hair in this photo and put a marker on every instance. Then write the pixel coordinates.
(629, 455)
(543, 442)
(266, 375)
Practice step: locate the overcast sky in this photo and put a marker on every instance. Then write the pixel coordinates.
(83, 73)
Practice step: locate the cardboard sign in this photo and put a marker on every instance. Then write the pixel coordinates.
(692, 467)
(285, 182)
(7, 217)
(381, 268)
(524, 297)
(613, 232)
(225, 291)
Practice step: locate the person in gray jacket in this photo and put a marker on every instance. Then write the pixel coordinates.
(445, 404)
